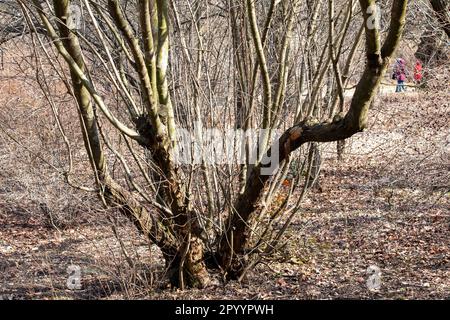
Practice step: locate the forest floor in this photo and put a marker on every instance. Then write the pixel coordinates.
(385, 206)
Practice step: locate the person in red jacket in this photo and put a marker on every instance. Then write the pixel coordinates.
(418, 72)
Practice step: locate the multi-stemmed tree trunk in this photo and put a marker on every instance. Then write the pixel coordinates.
(169, 216)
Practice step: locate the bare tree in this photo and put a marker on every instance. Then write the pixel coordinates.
(140, 71)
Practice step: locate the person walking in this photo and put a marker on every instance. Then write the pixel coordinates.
(400, 75)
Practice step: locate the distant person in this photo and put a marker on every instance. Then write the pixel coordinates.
(418, 72)
(399, 74)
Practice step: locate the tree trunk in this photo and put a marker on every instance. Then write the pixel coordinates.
(187, 268)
